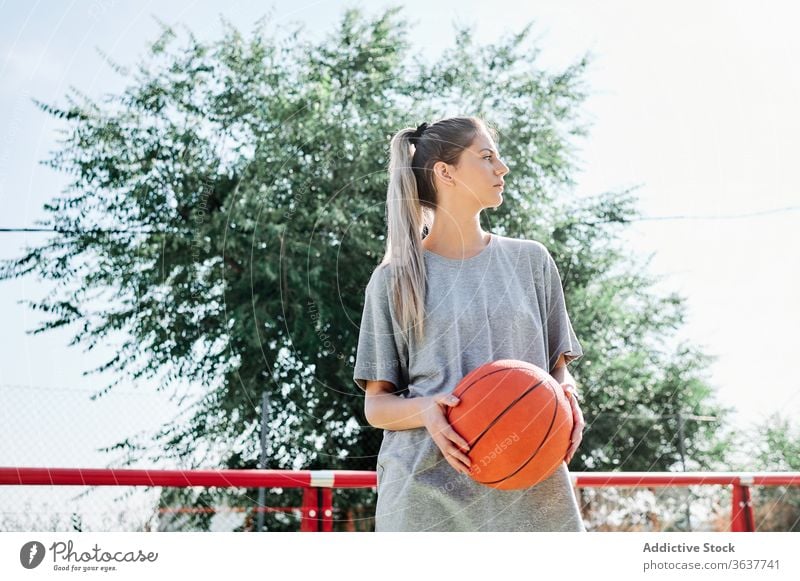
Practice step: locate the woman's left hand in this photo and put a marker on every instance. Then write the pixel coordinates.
(577, 421)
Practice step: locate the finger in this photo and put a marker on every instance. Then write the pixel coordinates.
(458, 466)
(577, 418)
(450, 400)
(572, 399)
(571, 452)
(458, 440)
(458, 454)
(455, 457)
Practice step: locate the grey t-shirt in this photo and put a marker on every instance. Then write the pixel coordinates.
(506, 302)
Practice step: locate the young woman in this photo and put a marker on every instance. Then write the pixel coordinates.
(438, 307)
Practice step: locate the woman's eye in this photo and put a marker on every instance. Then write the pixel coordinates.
(487, 157)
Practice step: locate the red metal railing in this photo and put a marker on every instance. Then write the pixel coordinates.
(318, 485)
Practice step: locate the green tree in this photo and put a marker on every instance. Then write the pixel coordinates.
(231, 201)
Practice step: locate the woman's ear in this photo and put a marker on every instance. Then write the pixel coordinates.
(442, 172)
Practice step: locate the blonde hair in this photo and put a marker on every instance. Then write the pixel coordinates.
(410, 203)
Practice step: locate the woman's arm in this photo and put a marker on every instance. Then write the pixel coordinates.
(391, 412)
(561, 374)
(383, 409)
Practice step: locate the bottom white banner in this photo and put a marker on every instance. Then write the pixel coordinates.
(396, 556)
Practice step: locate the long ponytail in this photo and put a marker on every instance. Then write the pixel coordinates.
(405, 220)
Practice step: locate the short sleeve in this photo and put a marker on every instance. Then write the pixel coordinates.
(560, 334)
(378, 355)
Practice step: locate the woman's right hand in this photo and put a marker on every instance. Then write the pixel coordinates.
(449, 441)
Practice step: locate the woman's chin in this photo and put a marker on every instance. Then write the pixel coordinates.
(497, 202)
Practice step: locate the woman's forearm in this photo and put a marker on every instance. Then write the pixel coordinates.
(562, 375)
(392, 412)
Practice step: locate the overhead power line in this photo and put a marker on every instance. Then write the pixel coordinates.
(728, 217)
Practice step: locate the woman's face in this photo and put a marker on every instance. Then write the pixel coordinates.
(478, 176)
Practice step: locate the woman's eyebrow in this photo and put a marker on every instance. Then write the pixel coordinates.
(487, 149)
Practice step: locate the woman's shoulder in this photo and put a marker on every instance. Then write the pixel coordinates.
(529, 246)
(380, 277)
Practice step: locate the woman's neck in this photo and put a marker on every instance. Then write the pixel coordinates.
(456, 241)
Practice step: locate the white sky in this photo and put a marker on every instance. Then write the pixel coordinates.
(695, 101)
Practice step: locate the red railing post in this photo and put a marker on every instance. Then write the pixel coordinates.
(327, 510)
(742, 519)
(325, 480)
(309, 522)
(318, 502)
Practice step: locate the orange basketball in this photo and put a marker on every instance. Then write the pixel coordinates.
(517, 421)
